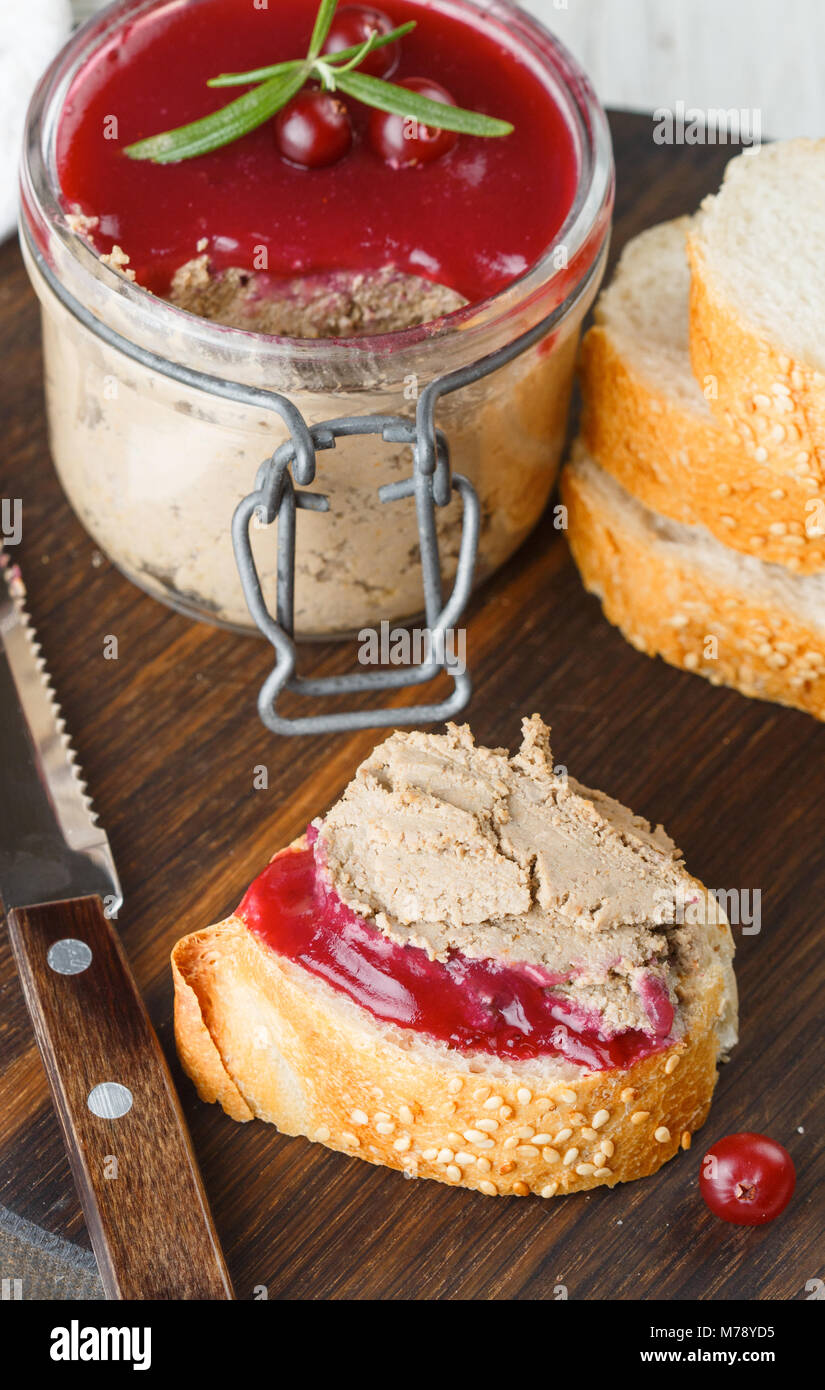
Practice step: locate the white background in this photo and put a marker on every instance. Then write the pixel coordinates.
(641, 54)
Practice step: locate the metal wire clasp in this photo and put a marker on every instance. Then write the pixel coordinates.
(276, 498)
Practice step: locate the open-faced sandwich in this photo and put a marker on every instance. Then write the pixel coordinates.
(472, 969)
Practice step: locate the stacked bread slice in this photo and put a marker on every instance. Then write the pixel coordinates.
(695, 494)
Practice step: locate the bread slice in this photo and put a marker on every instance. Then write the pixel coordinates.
(672, 589)
(265, 1038)
(757, 304)
(646, 421)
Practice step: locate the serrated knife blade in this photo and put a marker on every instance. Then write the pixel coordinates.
(51, 845)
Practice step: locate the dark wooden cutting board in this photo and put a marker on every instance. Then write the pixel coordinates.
(169, 737)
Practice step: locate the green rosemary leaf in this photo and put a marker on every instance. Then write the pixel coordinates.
(386, 96)
(328, 71)
(236, 79)
(378, 41)
(323, 23)
(226, 125)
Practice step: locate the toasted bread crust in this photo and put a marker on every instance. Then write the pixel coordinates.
(665, 609)
(264, 1038)
(681, 464)
(774, 405)
(197, 1048)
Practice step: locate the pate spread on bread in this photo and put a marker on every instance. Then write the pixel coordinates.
(473, 969)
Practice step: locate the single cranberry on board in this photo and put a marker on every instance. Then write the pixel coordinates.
(404, 142)
(747, 1178)
(352, 26)
(314, 129)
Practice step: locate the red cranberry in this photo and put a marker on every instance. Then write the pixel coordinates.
(353, 25)
(402, 141)
(747, 1178)
(313, 129)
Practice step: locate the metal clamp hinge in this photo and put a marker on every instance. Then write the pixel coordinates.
(276, 498)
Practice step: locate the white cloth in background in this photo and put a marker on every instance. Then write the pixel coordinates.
(31, 32)
(740, 54)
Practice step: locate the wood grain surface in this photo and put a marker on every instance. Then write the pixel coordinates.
(169, 737)
(135, 1172)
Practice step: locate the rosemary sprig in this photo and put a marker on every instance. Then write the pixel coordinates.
(280, 82)
(244, 79)
(321, 27)
(374, 91)
(237, 79)
(222, 127)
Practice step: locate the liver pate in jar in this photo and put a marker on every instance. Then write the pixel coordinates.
(346, 287)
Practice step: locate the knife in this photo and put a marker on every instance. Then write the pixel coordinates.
(129, 1150)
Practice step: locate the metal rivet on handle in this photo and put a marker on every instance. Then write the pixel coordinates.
(69, 956)
(109, 1100)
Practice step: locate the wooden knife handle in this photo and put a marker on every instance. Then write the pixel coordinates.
(137, 1176)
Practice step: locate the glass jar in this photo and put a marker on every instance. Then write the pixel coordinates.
(154, 467)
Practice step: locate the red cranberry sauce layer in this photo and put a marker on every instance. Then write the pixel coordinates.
(474, 219)
(510, 1010)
